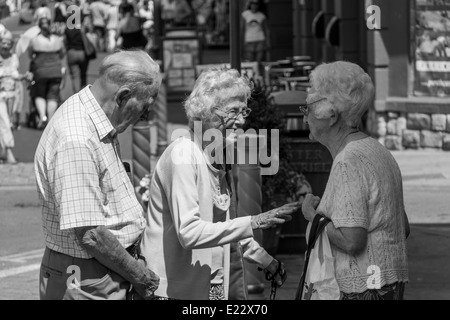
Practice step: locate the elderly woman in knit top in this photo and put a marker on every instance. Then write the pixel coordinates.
(364, 195)
(193, 239)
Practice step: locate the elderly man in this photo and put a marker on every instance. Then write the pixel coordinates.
(92, 220)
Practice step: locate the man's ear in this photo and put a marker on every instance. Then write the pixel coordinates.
(122, 96)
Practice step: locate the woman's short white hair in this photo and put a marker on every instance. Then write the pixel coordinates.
(213, 89)
(347, 87)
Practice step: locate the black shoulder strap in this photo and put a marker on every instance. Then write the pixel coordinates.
(318, 225)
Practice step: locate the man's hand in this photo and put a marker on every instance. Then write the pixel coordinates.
(28, 76)
(104, 246)
(309, 206)
(148, 284)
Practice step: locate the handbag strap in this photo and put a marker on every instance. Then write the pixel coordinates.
(84, 37)
(318, 225)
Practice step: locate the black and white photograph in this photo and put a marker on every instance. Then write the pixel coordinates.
(250, 152)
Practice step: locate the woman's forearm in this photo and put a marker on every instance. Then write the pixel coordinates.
(350, 240)
(196, 233)
(407, 229)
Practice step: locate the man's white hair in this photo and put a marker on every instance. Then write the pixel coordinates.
(135, 69)
(347, 87)
(212, 90)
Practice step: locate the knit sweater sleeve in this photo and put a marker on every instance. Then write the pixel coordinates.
(183, 196)
(350, 205)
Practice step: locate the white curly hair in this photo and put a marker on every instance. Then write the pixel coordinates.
(347, 87)
(213, 89)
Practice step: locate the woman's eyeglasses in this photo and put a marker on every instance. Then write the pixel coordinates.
(304, 107)
(234, 115)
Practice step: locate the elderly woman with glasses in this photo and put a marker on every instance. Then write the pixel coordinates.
(194, 239)
(364, 195)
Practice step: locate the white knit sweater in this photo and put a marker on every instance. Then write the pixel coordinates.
(365, 190)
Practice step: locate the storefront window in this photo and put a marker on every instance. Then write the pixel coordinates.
(432, 48)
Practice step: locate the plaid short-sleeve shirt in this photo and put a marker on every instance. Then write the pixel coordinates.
(81, 180)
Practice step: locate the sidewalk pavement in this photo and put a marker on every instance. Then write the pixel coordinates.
(429, 167)
(17, 175)
(428, 264)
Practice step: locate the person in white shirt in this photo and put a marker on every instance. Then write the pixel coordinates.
(42, 12)
(112, 22)
(203, 10)
(11, 96)
(146, 11)
(175, 13)
(255, 32)
(99, 13)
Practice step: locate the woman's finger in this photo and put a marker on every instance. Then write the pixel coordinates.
(292, 204)
(280, 220)
(288, 210)
(282, 215)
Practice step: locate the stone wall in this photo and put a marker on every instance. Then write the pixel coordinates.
(399, 131)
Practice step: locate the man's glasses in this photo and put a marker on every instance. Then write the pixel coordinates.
(304, 107)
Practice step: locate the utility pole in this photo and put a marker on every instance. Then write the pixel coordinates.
(158, 29)
(235, 35)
